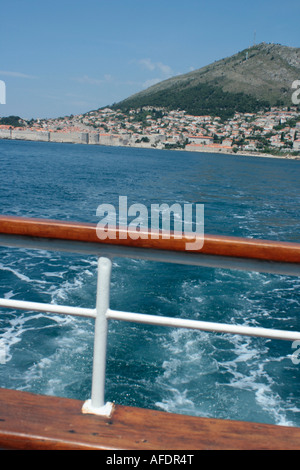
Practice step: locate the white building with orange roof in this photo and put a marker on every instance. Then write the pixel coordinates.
(296, 144)
(200, 139)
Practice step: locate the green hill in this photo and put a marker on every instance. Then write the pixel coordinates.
(13, 121)
(254, 79)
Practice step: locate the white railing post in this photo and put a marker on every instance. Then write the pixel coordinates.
(97, 405)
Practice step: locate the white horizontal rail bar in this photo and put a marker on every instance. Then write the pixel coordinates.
(48, 308)
(162, 256)
(204, 326)
(154, 320)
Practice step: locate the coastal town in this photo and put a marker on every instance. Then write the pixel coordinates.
(275, 131)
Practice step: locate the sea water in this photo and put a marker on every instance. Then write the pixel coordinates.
(175, 370)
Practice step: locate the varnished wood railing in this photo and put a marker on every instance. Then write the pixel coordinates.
(274, 251)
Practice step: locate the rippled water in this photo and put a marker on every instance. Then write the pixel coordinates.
(181, 371)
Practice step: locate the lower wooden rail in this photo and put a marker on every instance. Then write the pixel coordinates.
(34, 422)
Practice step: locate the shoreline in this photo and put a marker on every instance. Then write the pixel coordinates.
(239, 153)
(256, 154)
(84, 140)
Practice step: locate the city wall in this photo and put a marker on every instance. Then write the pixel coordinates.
(82, 138)
(46, 136)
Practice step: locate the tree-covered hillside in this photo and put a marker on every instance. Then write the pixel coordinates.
(201, 99)
(13, 121)
(251, 80)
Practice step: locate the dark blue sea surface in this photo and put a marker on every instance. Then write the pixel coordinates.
(182, 371)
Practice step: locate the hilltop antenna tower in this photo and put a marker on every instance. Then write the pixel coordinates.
(254, 42)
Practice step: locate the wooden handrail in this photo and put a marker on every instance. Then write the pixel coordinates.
(34, 422)
(255, 249)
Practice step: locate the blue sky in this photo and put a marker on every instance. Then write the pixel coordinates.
(68, 57)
